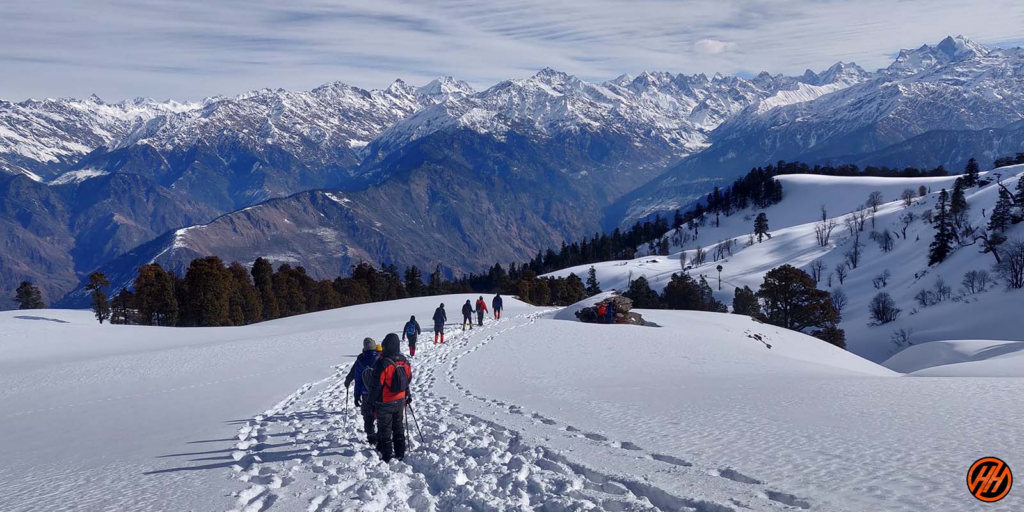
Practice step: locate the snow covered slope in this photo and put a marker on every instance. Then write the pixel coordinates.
(987, 315)
(961, 358)
(107, 417)
(525, 413)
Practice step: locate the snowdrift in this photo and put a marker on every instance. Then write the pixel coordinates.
(961, 358)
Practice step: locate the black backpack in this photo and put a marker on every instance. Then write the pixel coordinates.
(400, 379)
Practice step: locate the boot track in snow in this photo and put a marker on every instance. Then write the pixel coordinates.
(308, 452)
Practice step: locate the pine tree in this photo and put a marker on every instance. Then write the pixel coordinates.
(958, 206)
(573, 290)
(263, 279)
(745, 302)
(761, 227)
(208, 290)
(683, 293)
(122, 308)
(1002, 213)
(593, 286)
(971, 173)
(1020, 192)
(942, 245)
(642, 295)
(155, 299)
(436, 284)
(28, 296)
(414, 282)
(246, 303)
(792, 300)
(100, 305)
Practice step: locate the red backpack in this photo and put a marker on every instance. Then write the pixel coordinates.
(395, 380)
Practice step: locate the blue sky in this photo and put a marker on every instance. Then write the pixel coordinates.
(189, 49)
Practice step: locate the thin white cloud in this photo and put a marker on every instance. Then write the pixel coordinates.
(188, 49)
(713, 46)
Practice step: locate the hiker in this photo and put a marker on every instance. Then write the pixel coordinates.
(411, 331)
(467, 315)
(363, 362)
(481, 308)
(497, 305)
(602, 311)
(390, 378)
(610, 313)
(440, 317)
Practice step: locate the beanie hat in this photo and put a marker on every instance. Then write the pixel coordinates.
(379, 348)
(369, 344)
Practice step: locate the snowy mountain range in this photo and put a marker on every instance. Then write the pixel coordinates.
(606, 153)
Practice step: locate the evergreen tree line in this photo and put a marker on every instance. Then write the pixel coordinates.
(854, 170)
(214, 294)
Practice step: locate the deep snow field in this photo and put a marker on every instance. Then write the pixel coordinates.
(993, 314)
(530, 412)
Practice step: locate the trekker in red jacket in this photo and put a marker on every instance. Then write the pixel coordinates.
(481, 308)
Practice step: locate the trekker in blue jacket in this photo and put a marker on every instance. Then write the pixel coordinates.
(411, 331)
(497, 305)
(364, 361)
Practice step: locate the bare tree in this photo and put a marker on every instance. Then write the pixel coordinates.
(817, 269)
(682, 261)
(901, 337)
(874, 201)
(884, 239)
(925, 298)
(976, 281)
(882, 280)
(922, 191)
(699, 255)
(906, 220)
(853, 255)
(823, 231)
(908, 197)
(829, 280)
(942, 290)
(842, 270)
(839, 300)
(824, 212)
(850, 221)
(883, 309)
(1011, 269)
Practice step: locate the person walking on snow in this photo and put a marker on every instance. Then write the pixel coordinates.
(481, 308)
(467, 315)
(497, 306)
(440, 317)
(363, 362)
(411, 331)
(390, 379)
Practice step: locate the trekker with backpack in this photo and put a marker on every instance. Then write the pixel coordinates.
(411, 331)
(390, 378)
(440, 317)
(467, 315)
(363, 362)
(610, 313)
(481, 308)
(497, 305)
(602, 312)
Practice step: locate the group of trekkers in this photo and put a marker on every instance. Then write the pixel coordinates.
(382, 377)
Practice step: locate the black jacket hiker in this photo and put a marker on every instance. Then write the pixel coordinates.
(467, 315)
(390, 378)
(363, 363)
(440, 317)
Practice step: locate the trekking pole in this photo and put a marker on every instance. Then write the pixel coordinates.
(416, 423)
(345, 413)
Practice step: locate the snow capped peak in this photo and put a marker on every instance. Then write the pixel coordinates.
(442, 88)
(95, 99)
(841, 72)
(960, 47)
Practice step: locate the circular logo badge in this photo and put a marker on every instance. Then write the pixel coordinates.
(989, 479)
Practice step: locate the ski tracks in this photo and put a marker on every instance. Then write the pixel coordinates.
(309, 453)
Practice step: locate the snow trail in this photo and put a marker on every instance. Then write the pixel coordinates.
(308, 453)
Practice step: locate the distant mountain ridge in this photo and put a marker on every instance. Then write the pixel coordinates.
(617, 151)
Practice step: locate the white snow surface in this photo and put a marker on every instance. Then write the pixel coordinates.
(993, 314)
(525, 413)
